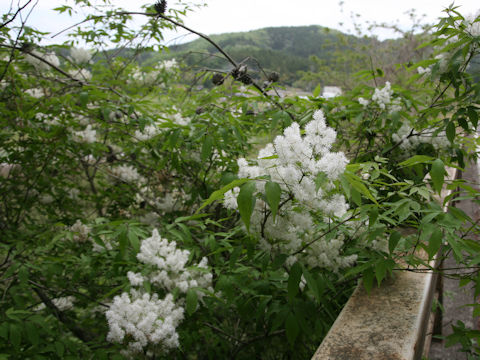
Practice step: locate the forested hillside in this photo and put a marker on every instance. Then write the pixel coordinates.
(304, 56)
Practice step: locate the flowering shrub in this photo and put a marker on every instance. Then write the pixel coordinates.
(295, 184)
(104, 158)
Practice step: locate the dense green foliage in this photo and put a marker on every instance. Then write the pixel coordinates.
(143, 218)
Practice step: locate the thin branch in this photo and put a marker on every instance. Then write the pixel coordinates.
(16, 14)
(203, 36)
(322, 235)
(60, 315)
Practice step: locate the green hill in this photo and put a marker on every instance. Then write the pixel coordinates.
(286, 50)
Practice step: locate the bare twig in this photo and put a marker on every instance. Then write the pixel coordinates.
(16, 14)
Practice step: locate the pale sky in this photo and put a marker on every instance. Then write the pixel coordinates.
(220, 16)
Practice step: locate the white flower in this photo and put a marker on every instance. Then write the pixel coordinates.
(409, 139)
(171, 263)
(294, 162)
(80, 56)
(127, 173)
(80, 231)
(88, 135)
(230, 198)
(473, 27)
(39, 64)
(80, 74)
(168, 64)
(423, 71)
(135, 279)
(363, 102)
(383, 96)
(89, 159)
(144, 318)
(62, 303)
(148, 132)
(36, 92)
(180, 120)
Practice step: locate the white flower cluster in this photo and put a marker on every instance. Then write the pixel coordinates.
(47, 119)
(80, 56)
(170, 264)
(35, 92)
(80, 74)
(327, 254)
(473, 27)
(150, 78)
(180, 120)
(89, 159)
(424, 71)
(62, 303)
(144, 78)
(168, 64)
(88, 135)
(127, 173)
(80, 231)
(363, 102)
(409, 139)
(142, 319)
(40, 65)
(383, 98)
(148, 132)
(294, 162)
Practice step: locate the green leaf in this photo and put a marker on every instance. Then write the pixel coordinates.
(473, 116)
(59, 348)
(463, 123)
(246, 202)
(273, 193)
(206, 148)
(83, 99)
(416, 159)
(359, 186)
(368, 279)
(173, 138)
(32, 332)
(380, 271)
(372, 216)
(123, 241)
(234, 256)
(434, 242)
(23, 275)
(450, 131)
(312, 284)
(191, 301)
(292, 328)
(294, 280)
(320, 179)
(217, 195)
(134, 242)
(393, 241)
(437, 173)
(356, 197)
(15, 336)
(4, 330)
(316, 92)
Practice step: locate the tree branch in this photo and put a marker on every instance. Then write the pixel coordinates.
(60, 315)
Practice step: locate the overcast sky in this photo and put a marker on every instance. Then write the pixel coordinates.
(220, 16)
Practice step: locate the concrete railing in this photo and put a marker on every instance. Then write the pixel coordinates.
(389, 323)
